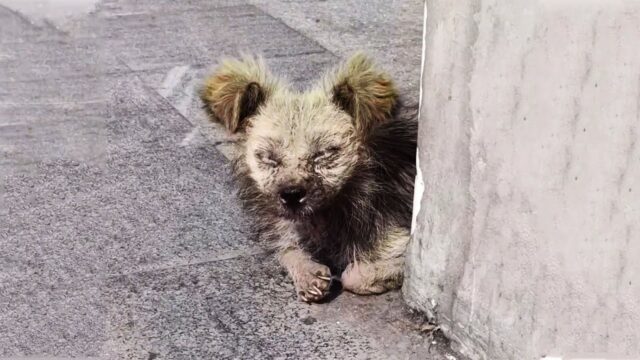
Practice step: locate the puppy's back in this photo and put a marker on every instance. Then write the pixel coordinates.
(392, 147)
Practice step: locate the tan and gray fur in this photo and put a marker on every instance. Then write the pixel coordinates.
(327, 173)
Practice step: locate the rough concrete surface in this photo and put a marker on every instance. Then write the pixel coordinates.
(120, 235)
(526, 243)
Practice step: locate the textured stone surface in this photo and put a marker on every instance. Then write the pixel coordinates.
(120, 235)
(526, 239)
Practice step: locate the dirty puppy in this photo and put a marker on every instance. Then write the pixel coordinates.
(327, 173)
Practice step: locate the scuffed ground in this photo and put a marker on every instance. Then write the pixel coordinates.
(120, 236)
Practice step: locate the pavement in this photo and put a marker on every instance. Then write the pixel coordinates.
(120, 234)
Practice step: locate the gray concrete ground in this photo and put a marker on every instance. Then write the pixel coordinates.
(120, 235)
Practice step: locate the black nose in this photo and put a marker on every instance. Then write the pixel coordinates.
(293, 196)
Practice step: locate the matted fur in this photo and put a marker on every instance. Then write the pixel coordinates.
(226, 90)
(342, 144)
(363, 91)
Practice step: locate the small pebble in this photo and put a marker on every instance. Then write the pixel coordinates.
(309, 320)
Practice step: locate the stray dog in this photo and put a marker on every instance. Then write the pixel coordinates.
(327, 174)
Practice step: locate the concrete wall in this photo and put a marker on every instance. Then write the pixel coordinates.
(527, 231)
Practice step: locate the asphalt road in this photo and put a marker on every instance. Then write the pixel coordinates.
(120, 235)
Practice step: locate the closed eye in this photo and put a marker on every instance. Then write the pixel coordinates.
(267, 159)
(326, 152)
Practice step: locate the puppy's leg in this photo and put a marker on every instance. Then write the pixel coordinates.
(382, 270)
(310, 278)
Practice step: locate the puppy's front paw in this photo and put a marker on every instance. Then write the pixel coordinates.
(312, 281)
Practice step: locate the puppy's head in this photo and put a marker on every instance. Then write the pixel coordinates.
(300, 148)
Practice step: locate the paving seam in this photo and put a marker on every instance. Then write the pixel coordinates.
(224, 256)
(257, 6)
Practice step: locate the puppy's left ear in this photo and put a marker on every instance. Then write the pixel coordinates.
(236, 90)
(363, 91)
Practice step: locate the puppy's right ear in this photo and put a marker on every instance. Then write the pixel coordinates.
(235, 91)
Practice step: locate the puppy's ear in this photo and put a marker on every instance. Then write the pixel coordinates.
(363, 91)
(235, 91)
